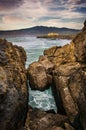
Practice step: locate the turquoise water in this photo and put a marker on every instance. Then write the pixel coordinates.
(34, 48)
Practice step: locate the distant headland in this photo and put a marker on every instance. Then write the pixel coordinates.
(38, 30)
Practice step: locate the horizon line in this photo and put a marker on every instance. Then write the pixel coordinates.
(39, 26)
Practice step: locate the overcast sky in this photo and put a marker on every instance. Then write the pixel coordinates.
(17, 14)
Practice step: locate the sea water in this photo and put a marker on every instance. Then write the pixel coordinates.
(34, 47)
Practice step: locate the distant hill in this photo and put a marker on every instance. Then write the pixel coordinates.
(38, 30)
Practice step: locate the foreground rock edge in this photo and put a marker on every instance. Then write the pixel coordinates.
(13, 86)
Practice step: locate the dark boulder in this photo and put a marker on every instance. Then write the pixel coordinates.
(39, 74)
(40, 120)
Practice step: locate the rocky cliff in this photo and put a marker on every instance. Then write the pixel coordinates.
(13, 86)
(65, 70)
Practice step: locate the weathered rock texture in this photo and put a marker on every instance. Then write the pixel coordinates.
(13, 86)
(40, 120)
(80, 45)
(69, 78)
(40, 74)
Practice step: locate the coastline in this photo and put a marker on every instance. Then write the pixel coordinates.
(63, 68)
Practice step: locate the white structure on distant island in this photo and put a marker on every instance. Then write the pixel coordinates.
(52, 34)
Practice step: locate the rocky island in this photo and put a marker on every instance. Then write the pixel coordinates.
(57, 36)
(64, 68)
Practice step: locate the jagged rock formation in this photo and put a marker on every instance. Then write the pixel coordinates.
(69, 78)
(80, 45)
(40, 120)
(13, 86)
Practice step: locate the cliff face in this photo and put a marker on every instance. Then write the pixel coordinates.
(13, 86)
(69, 78)
(80, 45)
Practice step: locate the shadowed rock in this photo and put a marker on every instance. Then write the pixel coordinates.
(68, 127)
(13, 86)
(40, 120)
(80, 45)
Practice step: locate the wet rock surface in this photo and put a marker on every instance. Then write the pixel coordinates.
(13, 86)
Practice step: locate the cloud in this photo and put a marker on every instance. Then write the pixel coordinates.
(60, 23)
(14, 20)
(73, 4)
(76, 1)
(27, 13)
(10, 4)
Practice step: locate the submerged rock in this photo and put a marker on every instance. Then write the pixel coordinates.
(13, 86)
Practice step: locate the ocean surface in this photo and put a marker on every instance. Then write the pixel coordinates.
(34, 47)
